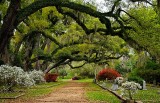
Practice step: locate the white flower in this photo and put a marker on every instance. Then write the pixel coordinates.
(14, 75)
(37, 76)
(130, 88)
(119, 80)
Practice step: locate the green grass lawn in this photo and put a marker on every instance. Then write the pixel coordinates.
(34, 92)
(85, 80)
(95, 93)
(150, 95)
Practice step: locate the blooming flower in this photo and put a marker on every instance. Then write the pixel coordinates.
(130, 88)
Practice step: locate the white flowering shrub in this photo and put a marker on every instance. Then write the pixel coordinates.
(25, 80)
(119, 80)
(130, 88)
(11, 76)
(7, 74)
(37, 76)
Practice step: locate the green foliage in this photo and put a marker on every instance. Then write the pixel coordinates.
(87, 72)
(147, 33)
(149, 72)
(120, 69)
(152, 65)
(62, 72)
(136, 79)
(150, 75)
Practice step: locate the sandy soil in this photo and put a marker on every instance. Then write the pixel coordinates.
(73, 92)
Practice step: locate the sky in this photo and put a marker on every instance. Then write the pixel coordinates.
(100, 4)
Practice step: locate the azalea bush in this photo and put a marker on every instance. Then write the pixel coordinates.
(108, 73)
(129, 89)
(49, 77)
(76, 78)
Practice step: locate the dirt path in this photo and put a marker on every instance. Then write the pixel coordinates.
(73, 92)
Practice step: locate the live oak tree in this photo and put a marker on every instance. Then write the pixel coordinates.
(147, 35)
(18, 13)
(45, 38)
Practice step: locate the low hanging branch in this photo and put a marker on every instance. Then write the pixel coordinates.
(76, 66)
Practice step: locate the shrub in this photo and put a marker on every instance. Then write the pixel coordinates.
(37, 76)
(150, 75)
(136, 79)
(108, 73)
(76, 78)
(11, 76)
(51, 77)
(87, 72)
(63, 73)
(130, 88)
(119, 80)
(25, 80)
(152, 65)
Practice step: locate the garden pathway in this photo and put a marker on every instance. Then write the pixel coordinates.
(73, 92)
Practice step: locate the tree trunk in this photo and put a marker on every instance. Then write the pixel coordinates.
(6, 31)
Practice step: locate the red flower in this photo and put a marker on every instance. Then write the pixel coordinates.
(50, 77)
(108, 73)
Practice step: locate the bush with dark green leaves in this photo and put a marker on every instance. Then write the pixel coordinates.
(136, 79)
(150, 72)
(62, 73)
(87, 73)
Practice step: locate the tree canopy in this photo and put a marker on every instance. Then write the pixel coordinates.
(37, 33)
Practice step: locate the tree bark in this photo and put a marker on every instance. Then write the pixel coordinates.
(8, 26)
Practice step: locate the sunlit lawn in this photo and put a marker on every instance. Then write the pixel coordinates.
(95, 93)
(85, 80)
(150, 95)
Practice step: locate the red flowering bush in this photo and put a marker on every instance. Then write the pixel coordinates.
(76, 78)
(108, 73)
(50, 77)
